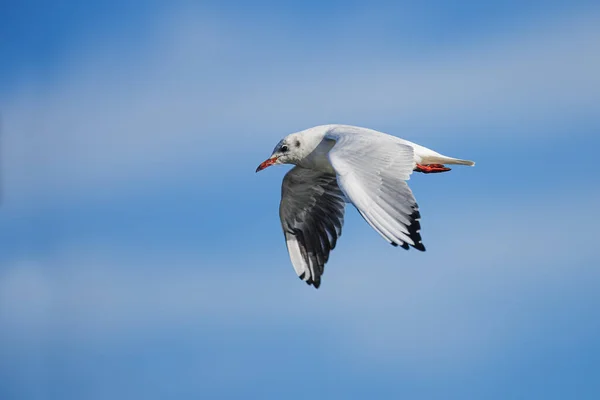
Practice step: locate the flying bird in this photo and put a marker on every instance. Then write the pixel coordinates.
(339, 164)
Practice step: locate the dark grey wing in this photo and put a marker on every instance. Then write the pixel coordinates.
(312, 214)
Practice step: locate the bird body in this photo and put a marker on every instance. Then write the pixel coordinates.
(339, 164)
(316, 149)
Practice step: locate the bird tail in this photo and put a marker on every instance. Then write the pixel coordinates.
(428, 156)
(450, 160)
(441, 159)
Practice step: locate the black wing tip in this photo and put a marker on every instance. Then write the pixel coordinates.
(419, 246)
(310, 281)
(414, 230)
(314, 282)
(416, 214)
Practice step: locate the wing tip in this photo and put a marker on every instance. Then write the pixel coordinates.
(419, 246)
(414, 230)
(314, 282)
(310, 281)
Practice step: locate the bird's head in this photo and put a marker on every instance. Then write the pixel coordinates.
(288, 151)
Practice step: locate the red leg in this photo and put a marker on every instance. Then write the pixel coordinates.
(431, 168)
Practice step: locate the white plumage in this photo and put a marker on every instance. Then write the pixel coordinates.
(336, 164)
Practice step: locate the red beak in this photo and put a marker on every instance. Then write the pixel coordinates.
(266, 163)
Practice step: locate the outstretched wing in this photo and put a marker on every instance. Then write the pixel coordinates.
(372, 171)
(312, 214)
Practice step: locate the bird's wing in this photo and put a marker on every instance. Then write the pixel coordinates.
(312, 215)
(372, 170)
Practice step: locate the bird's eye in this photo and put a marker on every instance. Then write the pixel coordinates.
(284, 148)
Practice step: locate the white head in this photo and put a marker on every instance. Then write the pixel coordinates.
(290, 150)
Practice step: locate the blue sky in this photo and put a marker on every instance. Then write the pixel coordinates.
(142, 257)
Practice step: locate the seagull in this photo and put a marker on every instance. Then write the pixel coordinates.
(339, 164)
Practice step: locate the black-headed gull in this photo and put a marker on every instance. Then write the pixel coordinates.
(336, 164)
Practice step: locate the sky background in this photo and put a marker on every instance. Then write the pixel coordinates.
(142, 257)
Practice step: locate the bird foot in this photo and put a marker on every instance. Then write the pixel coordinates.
(431, 168)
